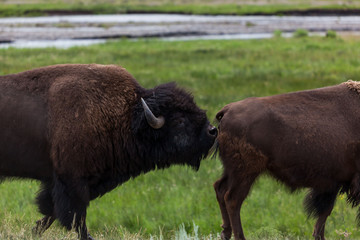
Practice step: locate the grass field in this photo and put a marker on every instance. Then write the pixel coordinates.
(241, 7)
(167, 204)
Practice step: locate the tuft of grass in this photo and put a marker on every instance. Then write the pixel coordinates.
(250, 24)
(277, 33)
(300, 33)
(11, 229)
(331, 34)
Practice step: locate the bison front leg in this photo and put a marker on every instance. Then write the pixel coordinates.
(46, 206)
(43, 224)
(221, 187)
(71, 198)
(234, 197)
(320, 204)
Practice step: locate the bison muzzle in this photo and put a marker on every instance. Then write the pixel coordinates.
(307, 139)
(84, 129)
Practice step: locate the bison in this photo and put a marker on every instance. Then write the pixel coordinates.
(82, 130)
(306, 139)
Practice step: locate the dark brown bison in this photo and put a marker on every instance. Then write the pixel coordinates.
(308, 139)
(84, 129)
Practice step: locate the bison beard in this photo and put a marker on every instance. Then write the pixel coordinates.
(84, 129)
(308, 139)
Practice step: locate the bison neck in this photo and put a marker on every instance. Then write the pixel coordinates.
(127, 164)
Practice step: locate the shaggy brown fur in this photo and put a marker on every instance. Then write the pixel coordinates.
(308, 139)
(353, 85)
(81, 130)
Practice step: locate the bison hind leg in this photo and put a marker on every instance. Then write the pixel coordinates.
(353, 194)
(221, 187)
(320, 204)
(317, 203)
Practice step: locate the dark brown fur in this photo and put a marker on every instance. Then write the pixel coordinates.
(81, 131)
(308, 139)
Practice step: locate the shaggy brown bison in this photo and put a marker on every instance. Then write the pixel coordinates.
(308, 139)
(84, 129)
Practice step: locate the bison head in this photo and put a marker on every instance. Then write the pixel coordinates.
(170, 128)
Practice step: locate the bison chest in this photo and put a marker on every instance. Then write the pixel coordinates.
(99, 185)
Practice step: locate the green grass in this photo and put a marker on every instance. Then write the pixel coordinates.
(233, 7)
(170, 202)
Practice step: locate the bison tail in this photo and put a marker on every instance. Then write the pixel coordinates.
(220, 115)
(215, 148)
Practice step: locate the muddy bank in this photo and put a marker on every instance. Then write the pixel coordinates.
(163, 25)
(306, 12)
(87, 27)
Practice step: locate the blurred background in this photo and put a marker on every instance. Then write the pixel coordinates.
(64, 24)
(221, 51)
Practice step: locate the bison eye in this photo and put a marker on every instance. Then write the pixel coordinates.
(181, 123)
(178, 122)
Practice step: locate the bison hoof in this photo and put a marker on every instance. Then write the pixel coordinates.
(319, 237)
(90, 237)
(38, 230)
(35, 231)
(225, 236)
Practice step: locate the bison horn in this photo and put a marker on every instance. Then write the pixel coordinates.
(154, 122)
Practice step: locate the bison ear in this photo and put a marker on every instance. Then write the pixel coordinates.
(154, 122)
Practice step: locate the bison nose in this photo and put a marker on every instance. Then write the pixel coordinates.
(212, 131)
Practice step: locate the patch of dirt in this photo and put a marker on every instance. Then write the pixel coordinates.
(320, 12)
(61, 12)
(307, 12)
